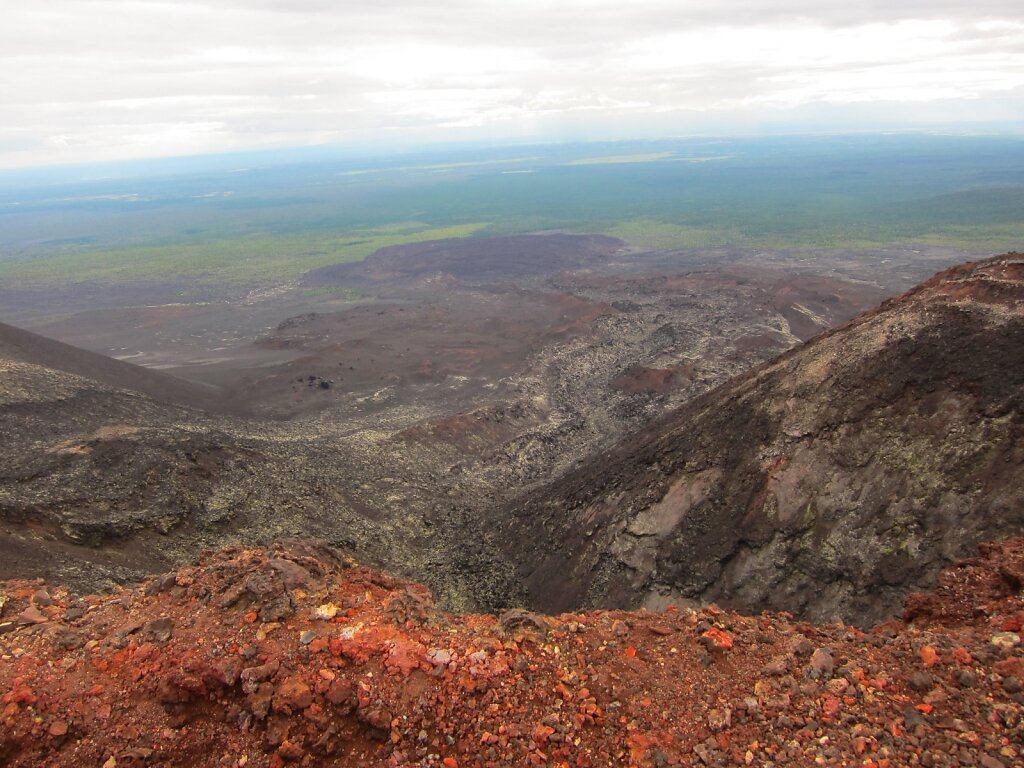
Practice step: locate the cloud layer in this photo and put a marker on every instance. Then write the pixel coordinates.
(84, 80)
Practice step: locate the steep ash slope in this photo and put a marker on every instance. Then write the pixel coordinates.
(828, 482)
(24, 346)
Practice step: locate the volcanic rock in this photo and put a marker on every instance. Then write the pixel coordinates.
(600, 689)
(828, 482)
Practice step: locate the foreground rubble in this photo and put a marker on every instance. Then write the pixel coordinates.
(296, 655)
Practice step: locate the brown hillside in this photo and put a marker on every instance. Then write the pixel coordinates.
(827, 482)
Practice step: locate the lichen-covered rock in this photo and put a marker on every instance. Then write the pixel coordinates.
(828, 482)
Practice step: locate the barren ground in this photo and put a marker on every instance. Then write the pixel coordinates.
(295, 656)
(390, 406)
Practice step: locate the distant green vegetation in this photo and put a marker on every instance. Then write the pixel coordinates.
(240, 260)
(333, 290)
(270, 223)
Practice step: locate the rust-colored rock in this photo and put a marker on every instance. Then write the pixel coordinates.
(600, 688)
(292, 695)
(32, 615)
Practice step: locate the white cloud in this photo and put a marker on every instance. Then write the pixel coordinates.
(102, 79)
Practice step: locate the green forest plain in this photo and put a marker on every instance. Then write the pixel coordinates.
(248, 220)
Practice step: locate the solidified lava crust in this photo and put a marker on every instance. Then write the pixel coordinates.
(296, 655)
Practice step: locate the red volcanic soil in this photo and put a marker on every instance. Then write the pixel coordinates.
(293, 655)
(476, 429)
(653, 381)
(991, 282)
(480, 336)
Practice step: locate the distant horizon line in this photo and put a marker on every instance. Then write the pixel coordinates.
(377, 151)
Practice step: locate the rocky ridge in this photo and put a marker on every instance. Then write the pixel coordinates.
(826, 482)
(296, 655)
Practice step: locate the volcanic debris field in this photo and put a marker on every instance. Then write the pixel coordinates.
(443, 391)
(582, 449)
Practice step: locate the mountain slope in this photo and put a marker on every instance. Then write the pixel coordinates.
(27, 347)
(827, 482)
(101, 485)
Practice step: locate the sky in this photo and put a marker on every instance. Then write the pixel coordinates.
(97, 80)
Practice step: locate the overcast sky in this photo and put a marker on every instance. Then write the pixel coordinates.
(85, 80)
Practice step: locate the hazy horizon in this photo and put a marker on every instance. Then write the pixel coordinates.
(371, 156)
(106, 80)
